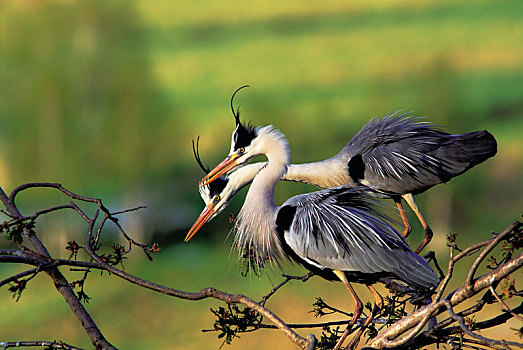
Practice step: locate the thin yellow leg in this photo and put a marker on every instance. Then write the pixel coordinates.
(406, 224)
(409, 198)
(378, 301)
(358, 308)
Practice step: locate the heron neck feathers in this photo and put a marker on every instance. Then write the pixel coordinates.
(256, 220)
(324, 174)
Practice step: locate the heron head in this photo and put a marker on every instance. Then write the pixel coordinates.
(243, 147)
(216, 196)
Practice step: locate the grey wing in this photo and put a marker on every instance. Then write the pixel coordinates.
(328, 231)
(395, 154)
(338, 229)
(404, 167)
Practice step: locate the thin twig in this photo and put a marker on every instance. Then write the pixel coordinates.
(129, 210)
(288, 278)
(431, 256)
(467, 330)
(59, 187)
(359, 322)
(507, 308)
(443, 284)
(485, 252)
(49, 210)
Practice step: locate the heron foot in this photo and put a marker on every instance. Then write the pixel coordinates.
(353, 343)
(358, 310)
(406, 231)
(428, 237)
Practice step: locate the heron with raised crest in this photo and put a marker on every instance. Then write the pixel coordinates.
(335, 233)
(397, 155)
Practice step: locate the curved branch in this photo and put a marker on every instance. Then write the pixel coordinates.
(467, 330)
(59, 280)
(485, 252)
(209, 292)
(498, 298)
(458, 296)
(57, 186)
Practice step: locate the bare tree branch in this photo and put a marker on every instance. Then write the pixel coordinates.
(60, 282)
(202, 294)
(406, 332)
(491, 288)
(389, 337)
(47, 344)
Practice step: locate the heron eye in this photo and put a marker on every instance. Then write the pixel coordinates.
(216, 198)
(241, 150)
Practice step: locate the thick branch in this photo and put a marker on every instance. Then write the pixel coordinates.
(211, 293)
(458, 296)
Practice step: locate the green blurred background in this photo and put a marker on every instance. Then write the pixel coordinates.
(104, 97)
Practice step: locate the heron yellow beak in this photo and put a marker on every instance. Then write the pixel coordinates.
(202, 219)
(227, 164)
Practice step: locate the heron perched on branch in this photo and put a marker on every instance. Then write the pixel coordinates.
(334, 233)
(398, 155)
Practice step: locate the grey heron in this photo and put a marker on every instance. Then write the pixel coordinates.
(397, 155)
(335, 233)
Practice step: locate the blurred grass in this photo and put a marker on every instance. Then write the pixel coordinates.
(105, 97)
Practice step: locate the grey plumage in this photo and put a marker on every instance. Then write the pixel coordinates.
(333, 233)
(339, 229)
(336, 229)
(400, 154)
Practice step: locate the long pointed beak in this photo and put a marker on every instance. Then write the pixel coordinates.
(202, 219)
(222, 168)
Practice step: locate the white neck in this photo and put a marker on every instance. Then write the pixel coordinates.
(244, 175)
(324, 174)
(256, 220)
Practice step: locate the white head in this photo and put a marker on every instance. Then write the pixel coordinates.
(246, 143)
(217, 194)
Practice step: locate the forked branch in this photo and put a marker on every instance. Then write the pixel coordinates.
(395, 330)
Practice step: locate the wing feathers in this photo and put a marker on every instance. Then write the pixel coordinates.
(336, 229)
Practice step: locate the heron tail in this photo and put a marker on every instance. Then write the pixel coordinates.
(472, 148)
(459, 153)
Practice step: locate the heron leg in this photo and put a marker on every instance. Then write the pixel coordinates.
(358, 308)
(378, 299)
(406, 224)
(409, 198)
(378, 305)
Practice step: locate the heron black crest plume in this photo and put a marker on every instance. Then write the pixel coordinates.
(236, 113)
(197, 155)
(215, 187)
(244, 134)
